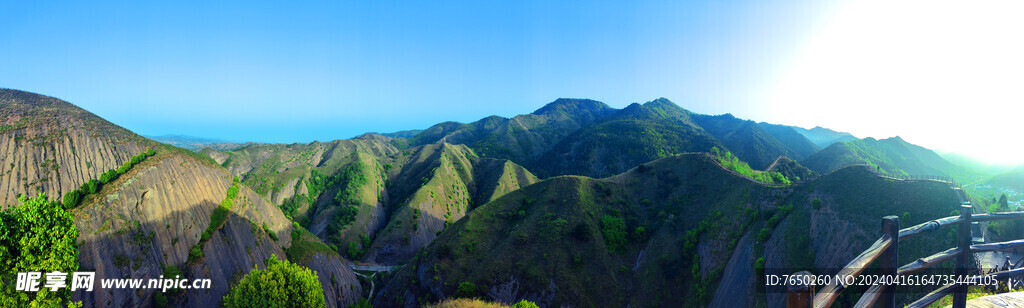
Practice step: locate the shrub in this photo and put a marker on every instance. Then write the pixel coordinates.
(108, 176)
(150, 152)
(759, 266)
(816, 204)
(764, 234)
(344, 217)
(353, 251)
(640, 234)
(353, 177)
(362, 303)
(269, 232)
(466, 290)
(71, 199)
(196, 252)
(614, 231)
(551, 227)
(281, 284)
(171, 271)
(524, 304)
(159, 299)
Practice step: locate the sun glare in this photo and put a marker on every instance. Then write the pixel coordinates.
(947, 75)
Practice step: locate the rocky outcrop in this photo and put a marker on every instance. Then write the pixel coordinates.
(151, 217)
(33, 164)
(341, 288)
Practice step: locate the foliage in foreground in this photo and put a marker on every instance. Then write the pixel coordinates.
(281, 284)
(36, 236)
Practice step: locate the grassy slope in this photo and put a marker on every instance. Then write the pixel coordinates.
(521, 236)
(370, 196)
(438, 185)
(793, 170)
(1013, 179)
(268, 168)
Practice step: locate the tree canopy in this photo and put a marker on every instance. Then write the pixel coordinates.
(36, 236)
(281, 284)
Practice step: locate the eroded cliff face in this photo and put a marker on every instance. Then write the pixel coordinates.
(55, 160)
(50, 146)
(153, 215)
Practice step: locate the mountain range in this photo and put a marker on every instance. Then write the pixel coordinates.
(574, 204)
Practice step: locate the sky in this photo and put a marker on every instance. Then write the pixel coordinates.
(942, 74)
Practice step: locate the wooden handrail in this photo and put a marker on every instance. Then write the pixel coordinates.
(929, 261)
(932, 297)
(870, 297)
(830, 292)
(998, 216)
(929, 226)
(1000, 246)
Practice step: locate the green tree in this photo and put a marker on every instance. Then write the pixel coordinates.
(281, 284)
(466, 290)
(36, 236)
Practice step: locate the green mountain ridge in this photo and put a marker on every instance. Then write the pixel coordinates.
(631, 212)
(824, 137)
(891, 155)
(585, 137)
(659, 234)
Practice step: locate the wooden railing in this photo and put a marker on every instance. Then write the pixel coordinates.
(886, 250)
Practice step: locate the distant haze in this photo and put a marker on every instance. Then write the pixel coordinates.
(944, 75)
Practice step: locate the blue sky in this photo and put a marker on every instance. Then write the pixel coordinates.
(941, 74)
(328, 70)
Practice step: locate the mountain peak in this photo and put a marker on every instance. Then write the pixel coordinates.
(662, 102)
(574, 106)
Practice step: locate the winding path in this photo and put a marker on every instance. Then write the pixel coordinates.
(375, 268)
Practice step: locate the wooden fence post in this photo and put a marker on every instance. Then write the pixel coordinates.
(799, 295)
(964, 258)
(888, 261)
